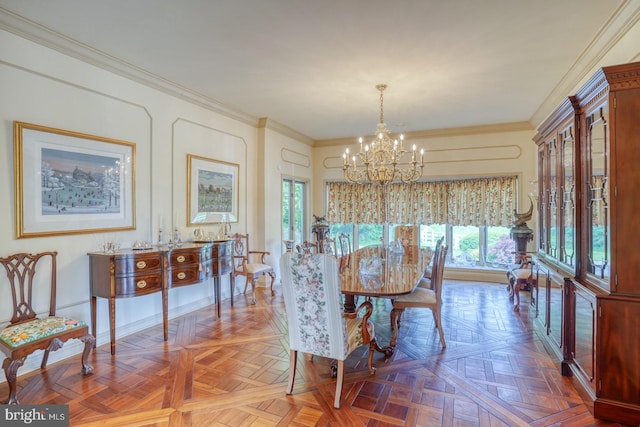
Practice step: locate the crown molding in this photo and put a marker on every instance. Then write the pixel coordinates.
(267, 123)
(438, 133)
(621, 21)
(27, 29)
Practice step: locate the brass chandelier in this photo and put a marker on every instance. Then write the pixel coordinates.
(379, 161)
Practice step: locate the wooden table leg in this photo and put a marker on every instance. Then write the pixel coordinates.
(349, 303)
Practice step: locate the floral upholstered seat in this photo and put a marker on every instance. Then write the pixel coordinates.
(24, 333)
(317, 323)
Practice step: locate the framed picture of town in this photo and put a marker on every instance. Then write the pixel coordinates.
(212, 191)
(71, 183)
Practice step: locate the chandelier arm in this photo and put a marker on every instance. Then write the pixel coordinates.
(381, 159)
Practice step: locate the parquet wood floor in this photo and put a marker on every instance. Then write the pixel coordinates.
(233, 371)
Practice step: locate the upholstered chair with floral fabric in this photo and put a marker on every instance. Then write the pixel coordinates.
(407, 235)
(28, 332)
(317, 323)
(308, 247)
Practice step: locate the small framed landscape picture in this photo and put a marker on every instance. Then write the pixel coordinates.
(71, 183)
(212, 191)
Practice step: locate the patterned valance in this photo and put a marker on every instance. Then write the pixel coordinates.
(478, 202)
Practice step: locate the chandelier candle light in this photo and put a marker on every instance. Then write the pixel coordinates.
(379, 160)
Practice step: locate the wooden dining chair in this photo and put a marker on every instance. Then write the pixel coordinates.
(521, 276)
(431, 266)
(308, 247)
(329, 246)
(345, 243)
(249, 264)
(28, 332)
(408, 235)
(423, 298)
(317, 323)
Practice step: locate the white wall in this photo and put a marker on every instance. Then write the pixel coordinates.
(44, 87)
(284, 157)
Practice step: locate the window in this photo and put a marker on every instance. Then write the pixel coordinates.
(471, 247)
(473, 214)
(336, 229)
(429, 234)
(294, 201)
(465, 245)
(369, 234)
(500, 247)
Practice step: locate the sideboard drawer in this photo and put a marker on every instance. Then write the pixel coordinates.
(186, 276)
(225, 266)
(184, 258)
(207, 269)
(223, 254)
(137, 263)
(136, 285)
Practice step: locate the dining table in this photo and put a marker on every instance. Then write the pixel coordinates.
(381, 271)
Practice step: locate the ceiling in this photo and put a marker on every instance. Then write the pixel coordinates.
(312, 66)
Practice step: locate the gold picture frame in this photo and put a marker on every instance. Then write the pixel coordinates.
(71, 183)
(212, 191)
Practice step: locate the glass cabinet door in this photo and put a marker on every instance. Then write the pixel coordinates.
(566, 198)
(552, 206)
(542, 192)
(597, 196)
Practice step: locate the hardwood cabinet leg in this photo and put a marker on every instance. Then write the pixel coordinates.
(93, 307)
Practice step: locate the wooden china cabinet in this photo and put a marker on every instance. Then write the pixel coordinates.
(588, 232)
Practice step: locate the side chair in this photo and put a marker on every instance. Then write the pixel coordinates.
(28, 332)
(329, 246)
(409, 235)
(521, 276)
(308, 247)
(432, 266)
(345, 243)
(250, 264)
(317, 323)
(423, 298)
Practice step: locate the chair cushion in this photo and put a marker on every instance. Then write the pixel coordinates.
(418, 298)
(255, 268)
(33, 330)
(521, 273)
(354, 333)
(424, 283)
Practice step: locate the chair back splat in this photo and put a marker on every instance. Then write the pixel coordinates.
(408, 235)
(308, 247)
(249, 264)
(345, 243)
(433, 266)
(329, 246)
(317, 323)
(26, 331)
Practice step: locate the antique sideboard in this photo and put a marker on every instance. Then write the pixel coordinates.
(132, 273)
